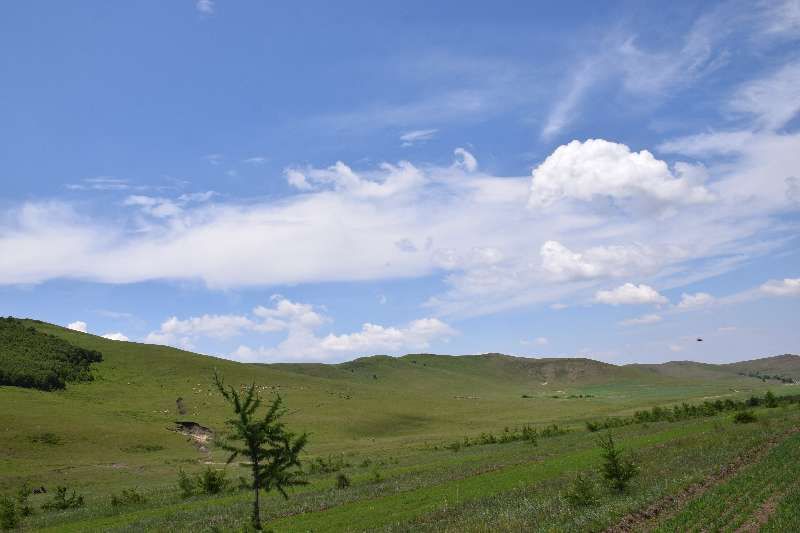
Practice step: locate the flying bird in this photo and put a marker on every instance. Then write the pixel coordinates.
(699, 339)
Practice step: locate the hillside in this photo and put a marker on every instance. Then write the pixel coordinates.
(30, 358)
(786, 366)
(369, 404)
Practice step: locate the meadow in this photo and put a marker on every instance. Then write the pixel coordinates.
(412, 437)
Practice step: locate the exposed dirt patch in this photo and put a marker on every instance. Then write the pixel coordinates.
(642, 520)
(200, 436)
(761, 515)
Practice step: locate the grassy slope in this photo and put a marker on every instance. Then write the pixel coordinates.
(782, 365)
(375, 407)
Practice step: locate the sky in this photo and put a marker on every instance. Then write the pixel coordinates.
(321, 181)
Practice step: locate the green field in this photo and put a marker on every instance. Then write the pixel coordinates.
(390, 424)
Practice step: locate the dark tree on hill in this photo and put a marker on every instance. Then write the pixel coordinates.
(271, 450)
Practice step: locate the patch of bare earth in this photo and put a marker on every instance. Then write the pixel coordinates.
(200, 436)
(663, 508)
(761, 515)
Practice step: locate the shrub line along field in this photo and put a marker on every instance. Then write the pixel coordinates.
(415, 443)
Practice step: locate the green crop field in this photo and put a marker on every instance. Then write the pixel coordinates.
(428, 442)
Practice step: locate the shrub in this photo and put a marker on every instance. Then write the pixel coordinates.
(211, 481)
(770, 400)
(582, 492)
(376, 476)
(63, 501)
(616, 469)
(744, 417)
(127, 497)
(51, 439)
(185, 484)
(9, 519)
(23, 505)
(342, 481)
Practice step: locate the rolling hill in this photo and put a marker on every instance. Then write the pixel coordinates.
(126, 415)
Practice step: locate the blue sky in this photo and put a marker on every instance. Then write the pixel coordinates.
(320, 182)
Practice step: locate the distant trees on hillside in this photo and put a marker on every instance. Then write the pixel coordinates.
(32, 359)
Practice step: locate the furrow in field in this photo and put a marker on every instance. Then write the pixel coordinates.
(670, 505)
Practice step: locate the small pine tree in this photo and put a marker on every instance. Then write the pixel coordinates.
(582, 491)
(272, 451)
(770, 400)
(616, 469)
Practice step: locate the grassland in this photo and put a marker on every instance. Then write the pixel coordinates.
(388, 422)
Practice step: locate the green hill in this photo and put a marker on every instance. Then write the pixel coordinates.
(30, 358)
(779, 366)
(126, 415)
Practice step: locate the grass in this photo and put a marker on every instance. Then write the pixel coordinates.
(385, 420)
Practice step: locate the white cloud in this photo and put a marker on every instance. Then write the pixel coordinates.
(116, 336)
(466, 160)
(773, 100)
(100, 183)
(255, 160)
(299, 322)
(411, 138)
(600, 261)
(178, 332)
(597, 169)
(694, 301)
(642, 320)
(538, 341)
(155, 207)
(205, 7)
(417, 335)
(630, 294)
(78, 325)
(784, 287)
(389, 181)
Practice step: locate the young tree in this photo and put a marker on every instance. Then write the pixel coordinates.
(617, 470)
(271, 451)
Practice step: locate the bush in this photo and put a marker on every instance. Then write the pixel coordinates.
(616, 469)
(770, 400)
(127, 497)
(211, 481)
(744, 417)
(9, 519)
(51, 439)
(330, 465)
(342, 481)
(23, 505)
(185, 484)
(582, 492)
(63, 501)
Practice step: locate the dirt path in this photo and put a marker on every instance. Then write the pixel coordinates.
(643, 520)
(762, 515)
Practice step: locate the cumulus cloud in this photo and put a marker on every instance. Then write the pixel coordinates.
(116, 336)
(598, 261)
(401, 221)
(389, 181)
(642, 320)
(372, 337)
(599, 169)
(78, 325)
(630, 294)
(299, 322)
(784, 287)
(155, 207)
(694, 301)
(465, 160)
